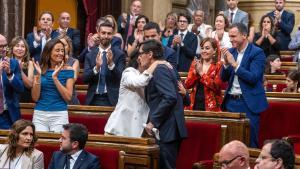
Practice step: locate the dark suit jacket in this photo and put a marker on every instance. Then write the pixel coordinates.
(123, 31)
(166, 106)
(285, 28)
(37, 52)
(170, 55)
(250, 75)
(112, 78)
(187, 52)
(85, 160)
(74, 34)
(12, 90)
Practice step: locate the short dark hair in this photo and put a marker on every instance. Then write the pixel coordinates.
(153, 46)
(152, 25)
(283, 150)
(242, 28)
(78, 132)
(186, 16)
(133, 59)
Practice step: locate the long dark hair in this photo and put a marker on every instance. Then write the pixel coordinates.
(133, 59)
(272, 31)
(13, 138)
(269, 59)
(46, 54)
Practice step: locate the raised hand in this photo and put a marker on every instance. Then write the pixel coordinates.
(198, 67)
(36, 36)
(6, 65)
(99, 61)
(57, 69)
(109, 57)
(37, 66)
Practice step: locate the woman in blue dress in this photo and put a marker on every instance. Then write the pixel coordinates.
(52, 88)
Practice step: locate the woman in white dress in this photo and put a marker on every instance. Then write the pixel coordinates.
(131, 111)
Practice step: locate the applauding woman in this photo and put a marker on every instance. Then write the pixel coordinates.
(20, 51)
(52, 88)
(204, 78)
(19, 152)
(266, 38)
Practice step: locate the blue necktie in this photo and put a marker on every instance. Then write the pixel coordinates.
(102, 73)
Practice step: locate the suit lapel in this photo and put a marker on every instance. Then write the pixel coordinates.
(80, 160)
(61, 161)
(246, 56)
(237, 15)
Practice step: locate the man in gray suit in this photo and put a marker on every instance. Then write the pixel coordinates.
(234, 14)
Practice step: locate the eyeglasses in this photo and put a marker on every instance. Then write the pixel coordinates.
(3, 45)
(225, 163)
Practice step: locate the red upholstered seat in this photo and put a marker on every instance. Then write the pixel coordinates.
(108, 157)
(94, 123)
(79, 80)
(279, 120)
(26, 116)
(203, 141)
(276, 87)
(295, 141)
(81, 97)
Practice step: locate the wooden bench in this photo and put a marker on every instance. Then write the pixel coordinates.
(237, 124)
(114, 152)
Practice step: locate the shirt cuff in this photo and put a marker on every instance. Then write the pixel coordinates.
(95, 70)
(111, 67)
(35, 44)
(235, 70)
(11, 78)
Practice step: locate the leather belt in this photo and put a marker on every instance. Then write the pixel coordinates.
(235, 96)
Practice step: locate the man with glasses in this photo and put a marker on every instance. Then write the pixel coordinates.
(11, 86)
(234, 155)
(185, 43)
(276, 154)
(166, 109)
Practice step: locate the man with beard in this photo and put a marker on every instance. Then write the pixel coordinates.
(72, 153)
(284, 23)
(166, 106)
(103, 69)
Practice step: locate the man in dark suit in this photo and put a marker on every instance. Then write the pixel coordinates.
(243, 69)
(185, 43)
(74, 34)
(152, 31)
(126, 21)
(72, 154)
(103, 69)
(37, 39)
(234, 14)
(166, 106)
(284, 23)
(11, 86)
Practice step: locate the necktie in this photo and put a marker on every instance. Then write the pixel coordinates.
(130, 28)
(181, 35)
(1, 94)
(68, 157)
(102, 74)
(231, 17)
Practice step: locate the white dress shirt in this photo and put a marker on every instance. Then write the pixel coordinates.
(234, 13)
(236, 88)
(74, 158)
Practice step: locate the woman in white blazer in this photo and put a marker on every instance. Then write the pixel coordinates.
(131, 111)
(20, 153)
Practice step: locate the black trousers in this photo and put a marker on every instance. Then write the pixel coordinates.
(100, 100)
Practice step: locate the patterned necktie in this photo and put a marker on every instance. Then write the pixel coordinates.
(1, 94)
(130, 28)
(102, 74)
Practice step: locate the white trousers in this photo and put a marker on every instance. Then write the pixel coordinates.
(50, 121)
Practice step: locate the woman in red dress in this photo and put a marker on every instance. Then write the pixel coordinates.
(204, 78)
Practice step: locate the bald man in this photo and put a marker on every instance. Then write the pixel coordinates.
(11, 86)
(74, 34)
(234, 155)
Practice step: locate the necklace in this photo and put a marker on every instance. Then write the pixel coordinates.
(16, 162)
